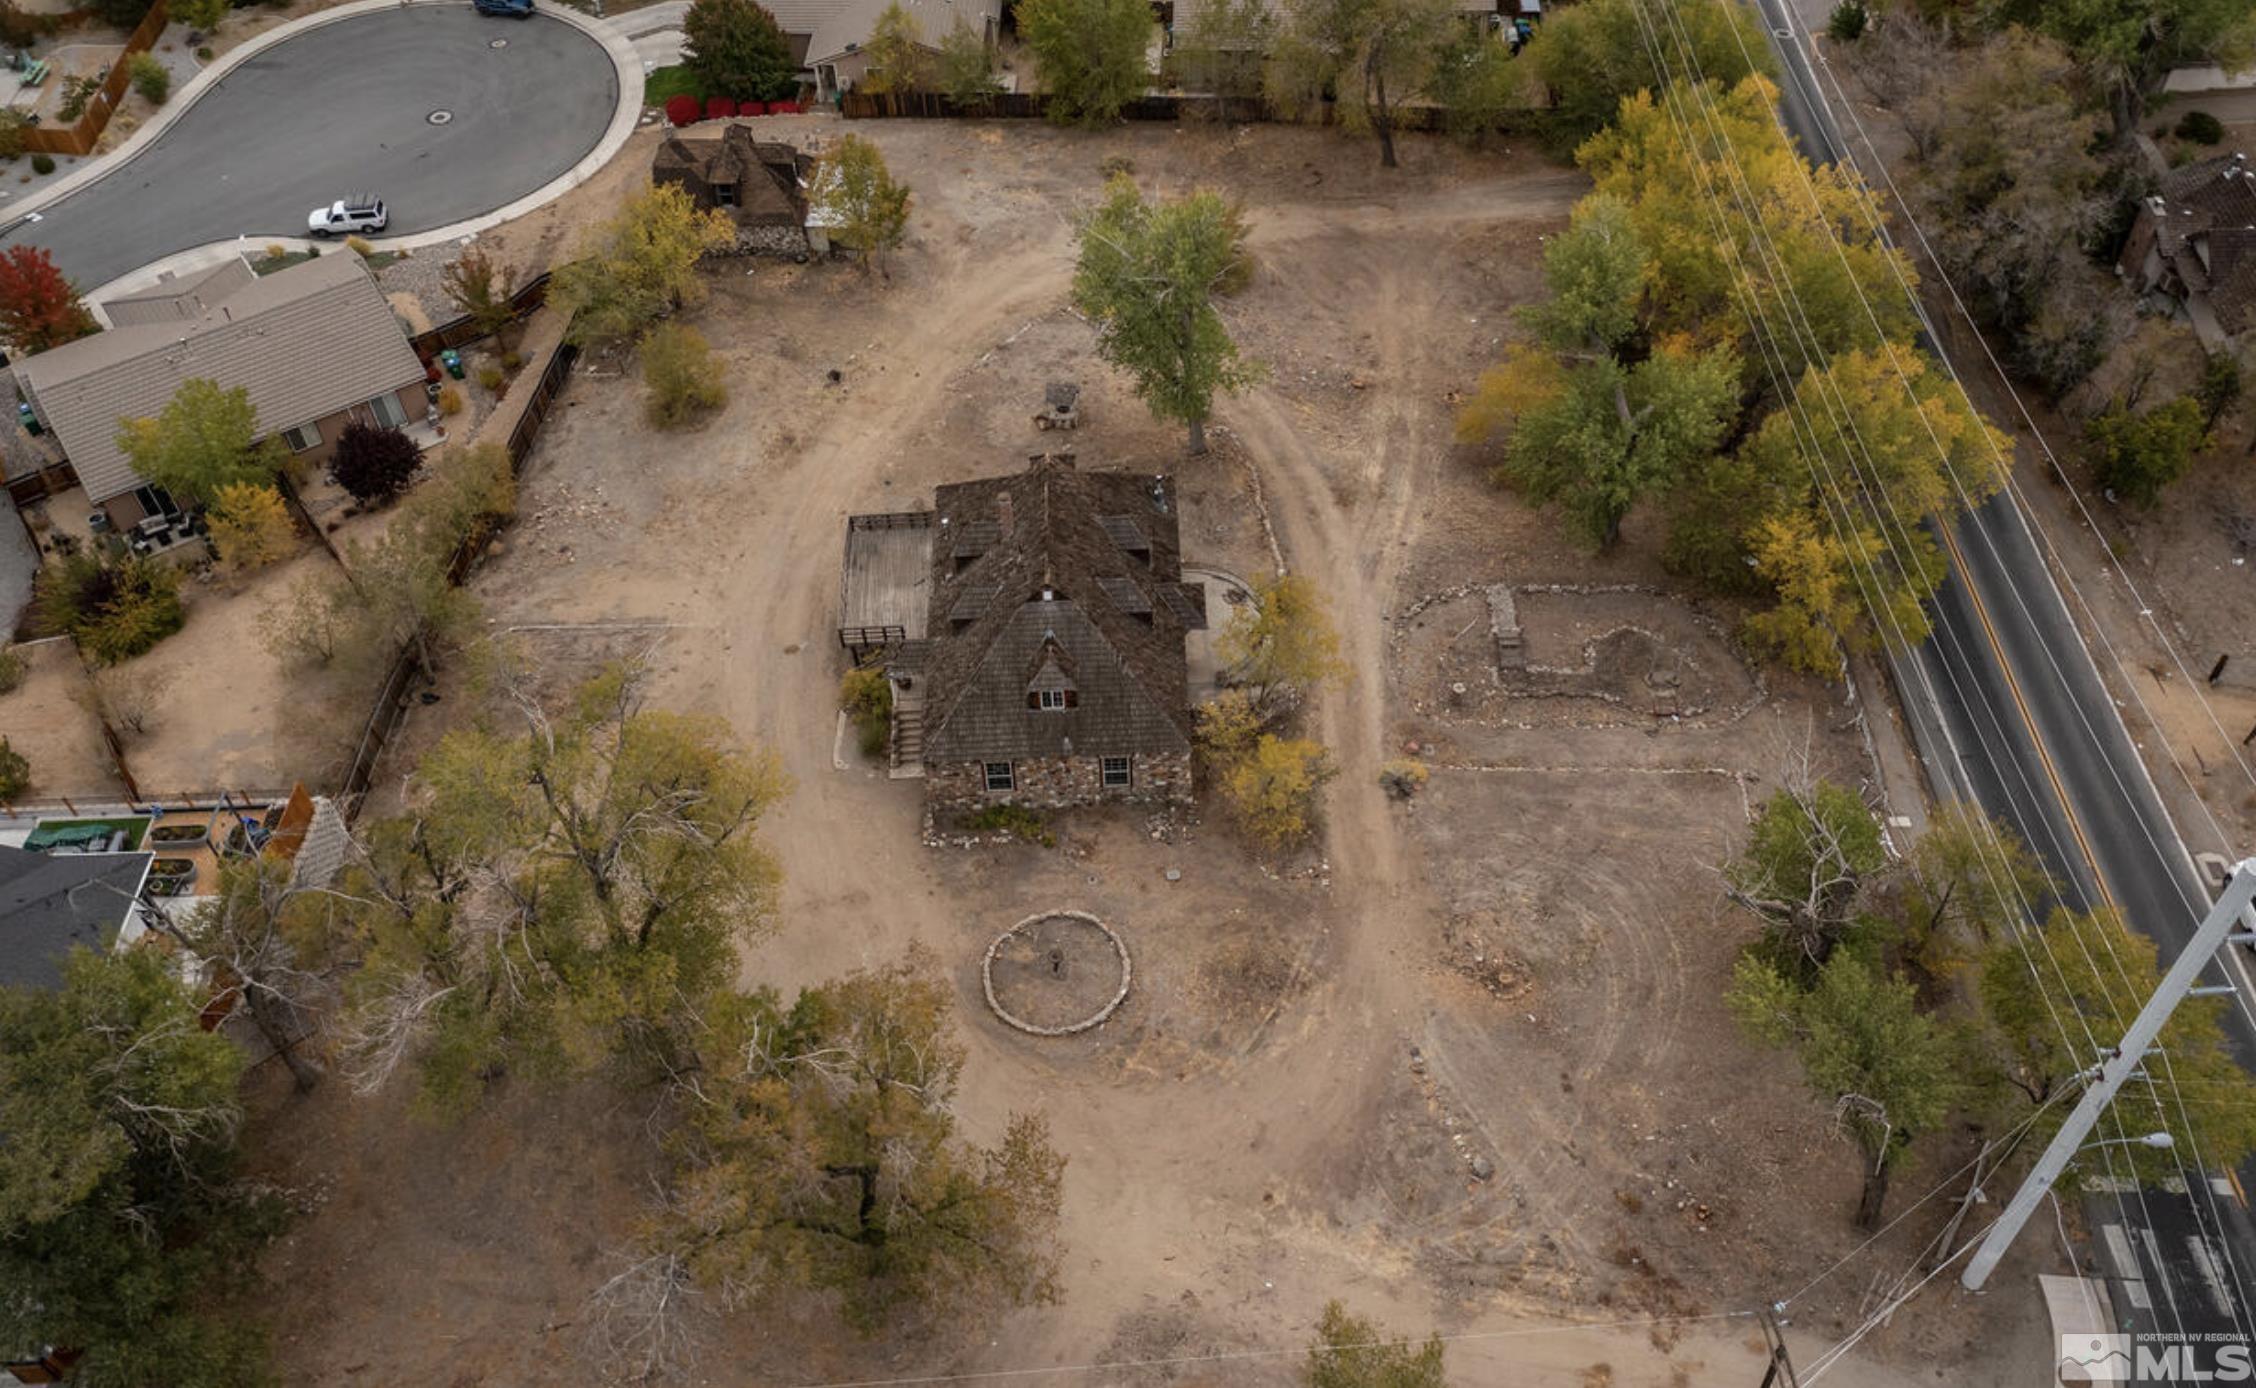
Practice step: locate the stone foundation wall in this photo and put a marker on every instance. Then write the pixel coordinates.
(1047, 783)
(783, 241)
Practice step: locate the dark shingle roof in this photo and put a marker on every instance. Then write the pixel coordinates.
(52, 901)
(2212, 205)
(1043, 533)
(766, 173)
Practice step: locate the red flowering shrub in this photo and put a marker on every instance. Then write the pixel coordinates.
(681, 110)
(783, 108)
(751, 108)
(719, 108)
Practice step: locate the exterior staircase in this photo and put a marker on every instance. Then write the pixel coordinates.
(906, 745)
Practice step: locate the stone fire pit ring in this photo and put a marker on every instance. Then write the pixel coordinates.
(1024, 933)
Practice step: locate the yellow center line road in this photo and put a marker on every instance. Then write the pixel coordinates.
(2021, 707)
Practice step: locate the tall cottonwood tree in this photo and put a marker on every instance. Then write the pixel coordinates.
(1872, 446)
(1594, 415)
(1597, 52)
(1746, 237)
(121, 1209)
(1891, 1072)
(1147, 277)
(1372, 54)
(2085, 975)
(558, 899)
(817, 1149)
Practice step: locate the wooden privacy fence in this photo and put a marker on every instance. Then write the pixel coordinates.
(407, 667)
(461, 332)
(81, 137)
(1243, 110)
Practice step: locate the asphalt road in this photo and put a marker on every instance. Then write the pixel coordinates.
(346, 108)
(2009, 711)
(2026, 727)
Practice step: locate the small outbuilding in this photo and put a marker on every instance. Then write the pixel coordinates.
(760, 184)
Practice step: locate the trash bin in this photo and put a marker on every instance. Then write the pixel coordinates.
(452, 361)
(30, 421)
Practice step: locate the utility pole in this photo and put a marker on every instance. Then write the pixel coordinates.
(2215, 931)
(1779, 1373)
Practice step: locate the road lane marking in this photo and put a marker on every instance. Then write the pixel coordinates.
(2021, 705)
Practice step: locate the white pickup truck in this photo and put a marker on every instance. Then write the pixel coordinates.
(348, 217)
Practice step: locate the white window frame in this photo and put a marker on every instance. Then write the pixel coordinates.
(303, 437)
(1127, 773)
(1009, 776)
(377, 405)
(1050, 700)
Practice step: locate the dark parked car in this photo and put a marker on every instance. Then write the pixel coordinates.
(508, 9)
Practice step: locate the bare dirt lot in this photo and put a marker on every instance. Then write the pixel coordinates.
(1462, 1063)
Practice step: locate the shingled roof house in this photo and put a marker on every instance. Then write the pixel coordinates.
(1033, 629)
(761, 184)
(2195, 244)
(315, 345)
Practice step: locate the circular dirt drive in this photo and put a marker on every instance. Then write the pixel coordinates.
(1056, 973)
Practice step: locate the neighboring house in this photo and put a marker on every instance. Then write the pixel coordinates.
(827, 37)
(761, 184)
(1033, 629)
(50, 902)
(2194, 244)
(316, 346)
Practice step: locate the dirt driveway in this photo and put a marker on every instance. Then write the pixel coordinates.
(1463, 1066)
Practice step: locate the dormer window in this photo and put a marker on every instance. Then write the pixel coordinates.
(1051, 689)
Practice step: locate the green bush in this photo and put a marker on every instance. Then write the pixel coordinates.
(867, 697)
(15, 772)
(150, 77)
(682, 378)
(114, 611)
(12, 671)
(1846, 25)
(2200, 127)
(492, 377)
(72, 96)
(1016, 820)
(43, 163)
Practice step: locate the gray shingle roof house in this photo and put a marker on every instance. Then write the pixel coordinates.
(2195, 243)
(52, 901)
(1048, 668)
(316, 345)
